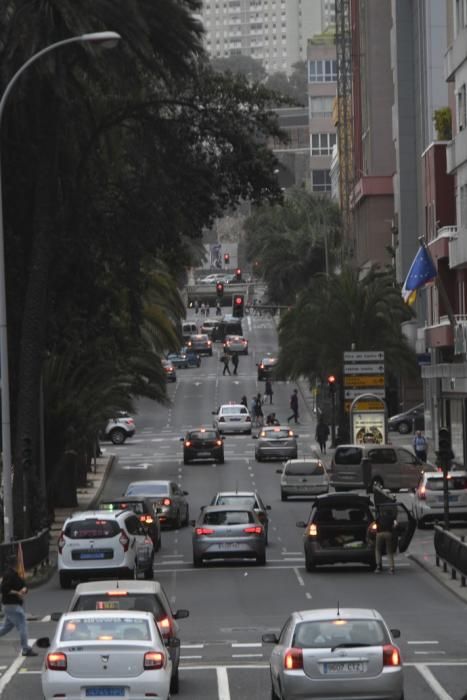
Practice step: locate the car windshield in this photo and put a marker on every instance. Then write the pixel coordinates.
(248, 501)
(91, 528)
(94, 629)
(455, 483)
(205, 435)
(120, 599)
(348, 455)
(229, 517)
(136, 506)
(333, 633)
(148, 490)
(305, 469)
(275, 434)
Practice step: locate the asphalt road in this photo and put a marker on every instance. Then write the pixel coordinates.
(232, 605)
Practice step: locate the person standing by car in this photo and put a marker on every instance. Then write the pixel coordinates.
(259, 411)
(196, 306)
(385, 524)
(294, 406)
(225, 359)
(322, 434)
(235, 362)
(218, 309)
(268, 390)
(420, 445)
(13, 591)
(244, 401)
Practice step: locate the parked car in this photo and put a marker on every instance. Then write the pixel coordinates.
(148, 596)
(203, 443)
(266, 367)
(103, 543)
(171, 504)
(341, 528)
(246, 499)
(275, 442)
(120, 428)
(232, 418)
(428, 499)
(304, 476)
(407, 422)
(200, 343)
(236, 343)
(169, 369)
(335, 653)
(228, 532)
(106, 654)
(144, 509)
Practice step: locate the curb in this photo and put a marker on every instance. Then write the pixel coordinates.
(440, 579)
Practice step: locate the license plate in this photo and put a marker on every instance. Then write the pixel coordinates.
(204, 454)
(452, 499)
(91, 555)
(228, 545)
(344, 667)
(232, 419)
(103, 692)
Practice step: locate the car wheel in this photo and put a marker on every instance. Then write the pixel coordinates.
(117, 436)
(258, 458)
(65, 580)
(372, 565)
(149, 573)
(261, 560)
(377, 482)
(210, 354)
(404, 428)
(274, 695)
(159, 544)
(197, 562)
(421, 524)
(174, 683)
(283, 496)
(178, 521)
(220, 460)
(186, 519)
(248, 432)
(309, 564)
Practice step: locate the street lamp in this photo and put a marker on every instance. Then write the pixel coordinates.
(105, 39)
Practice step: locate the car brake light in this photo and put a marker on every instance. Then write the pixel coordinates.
(256, 530)
(209, 342)
(61, 542)
(219, 443)
(391, 655)
(373, 527)
(293, 659)
(312, 530)
(261, 366)
(422, 493)
(204, 531)
(187, 443)
(56, 661)
(119, 592)
(124, 541)
(290, 433)
(166, 502)
(165, 626)
(154, 660)
(146, 519)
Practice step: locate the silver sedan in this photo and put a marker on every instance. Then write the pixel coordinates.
(228, 532)
(106, 654)
(276, 442)
(335, 654)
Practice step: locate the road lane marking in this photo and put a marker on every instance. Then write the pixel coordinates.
(13, 669)
(299, 578)
(423, 642)
(247, 656)
(246, 644)
(434, 684)
(46, 618)
(190, 657)
(223, 690)
(429, 653)
(308, 595)
(224, 666)
(192, 646)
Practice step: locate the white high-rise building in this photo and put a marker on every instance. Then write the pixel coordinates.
(273, 31)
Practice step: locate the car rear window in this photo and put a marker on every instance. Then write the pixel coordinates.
(456, 483)
(233, 329)
(348, 455)
(305, 469)
(205, 435)
(119, 599)
(95, 629)
(234, 410)
(92, 528)
(229, 517)
(275, 434)
(332, 633)
(384, 456)
(148, 490)
(247, 501)
(136, 506)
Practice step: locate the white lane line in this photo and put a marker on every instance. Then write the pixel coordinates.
(423, 642)
(290, 554)
(308, 595)
(46, 618)
(190, 657)
(24, 671)
(247, 656)
(299, 578)
(192, 646)
(171, 556)
(12, 670)
(223, 690)
(429, 653)
(236, 645)
(435, 686)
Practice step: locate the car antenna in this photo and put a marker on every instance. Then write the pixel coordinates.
(338, 609)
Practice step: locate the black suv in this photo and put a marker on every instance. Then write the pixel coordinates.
(204, 443)
(266, 367)
(145, 509)
(341, 528)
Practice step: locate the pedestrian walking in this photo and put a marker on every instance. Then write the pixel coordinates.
(208, 309)
(235, 362)
(13, 592)
(322, 434)
(268, 392)
(202, 308)
(196, 306)
(259, 415)
(420, 445)
(294, 406)
(218, 309)
(225, 359)
(386, 524)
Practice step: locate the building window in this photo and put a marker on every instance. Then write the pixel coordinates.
(461, 108)
(321, 181)
(321, 144)
(322, 71)
(320, 106)
(463, 206)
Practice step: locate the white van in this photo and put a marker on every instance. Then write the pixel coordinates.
(189, 328)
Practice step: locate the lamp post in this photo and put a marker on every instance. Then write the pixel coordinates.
(105, 39)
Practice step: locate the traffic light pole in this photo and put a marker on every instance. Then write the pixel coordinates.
(333, 418)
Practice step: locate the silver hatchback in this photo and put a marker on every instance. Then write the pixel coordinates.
(335, 654)
(305, 476)
(276, 442)
(228, 532)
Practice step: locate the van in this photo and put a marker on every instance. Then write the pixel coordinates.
(226, 327)
(367, 466)
(188, 329)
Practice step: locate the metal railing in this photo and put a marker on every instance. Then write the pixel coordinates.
(451, 553)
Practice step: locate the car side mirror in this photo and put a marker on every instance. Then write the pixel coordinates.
(214, 413)
(43, 643)
(185, 493)
(182, 439)
(396, 633)
(301, 523)
(270, 638)
(254, 437)
(192, 523)
(268, 508)
(279, 471)
(181, 614)
(55, 616)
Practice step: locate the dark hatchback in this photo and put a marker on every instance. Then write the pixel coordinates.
(266, 368)
(202, 444)
(342, 527)
(145, 509)
(407, 422)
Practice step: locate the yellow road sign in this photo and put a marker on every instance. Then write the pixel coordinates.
(366, 380)
(364, 406)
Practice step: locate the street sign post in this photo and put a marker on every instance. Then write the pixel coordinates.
(356, 381)
(364, 356)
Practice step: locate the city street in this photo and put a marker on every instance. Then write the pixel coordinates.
(232, 605)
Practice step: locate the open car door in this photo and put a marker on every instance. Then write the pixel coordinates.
(406, 526)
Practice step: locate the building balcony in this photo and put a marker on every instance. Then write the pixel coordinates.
(455, 55)
(439, 246)
(458, 248)
(456, 151)
(441, 334)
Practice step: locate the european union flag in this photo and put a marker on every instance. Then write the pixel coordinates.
(422, 270)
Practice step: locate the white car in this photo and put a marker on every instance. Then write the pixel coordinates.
(428, 499)
(120, 428)
(232, 418)
(105, 544)
(236, 343)
(304, 476)
(106, 654)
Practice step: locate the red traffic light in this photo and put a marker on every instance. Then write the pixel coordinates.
(219, 288)
(331, 379)
(226, 257)
(238, 301)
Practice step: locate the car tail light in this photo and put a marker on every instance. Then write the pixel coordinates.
(312, 530)
(167, 502)
(204, 531)
(154, 660)
(118, 592)
(391, 655)
(129, 421)
(187, 443)
(373, 527)
(261, 366)
(61, 542)
(165, 626)
(222, 419)
(219, 443)
(290, 433)
(56, 661)
(255, 530)
(248, 419)
(146, 519)
(293, 659)
(422, 493)
(124, 540)
(209, 342)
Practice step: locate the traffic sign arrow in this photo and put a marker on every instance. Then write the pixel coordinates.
(374, 368)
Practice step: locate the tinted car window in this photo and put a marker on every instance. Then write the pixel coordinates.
(305, 469)
(457, 483)
(148, 490)
(227, 517)
(384, 456)
(233, 410)
(206, 435)
(275, 434)
(123, 601)
(247, 501)
(331, 633)
(348, 455)
(91, 528)
(136, 506)
(94, 629)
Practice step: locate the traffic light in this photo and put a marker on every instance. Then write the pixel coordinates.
(444, 453)
(219, 289)
(238, 274)
(238, 306)
(226, 258)
(332, 383)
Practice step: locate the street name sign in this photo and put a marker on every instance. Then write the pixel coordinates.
(353, 393)
(374, 368)
(364, 381)
(364, 356)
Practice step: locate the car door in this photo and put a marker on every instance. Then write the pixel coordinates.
(406, 526)
(410, 468)
(385, 466)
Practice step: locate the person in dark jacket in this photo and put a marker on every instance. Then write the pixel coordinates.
(386, 524)
(322, 434)
(14, 589)
(294, 406)
(226, 360)
(268, 390)
(235, 362)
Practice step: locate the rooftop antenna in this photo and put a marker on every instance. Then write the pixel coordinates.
(338, 609)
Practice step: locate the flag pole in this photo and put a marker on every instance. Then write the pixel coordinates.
(441, 288)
